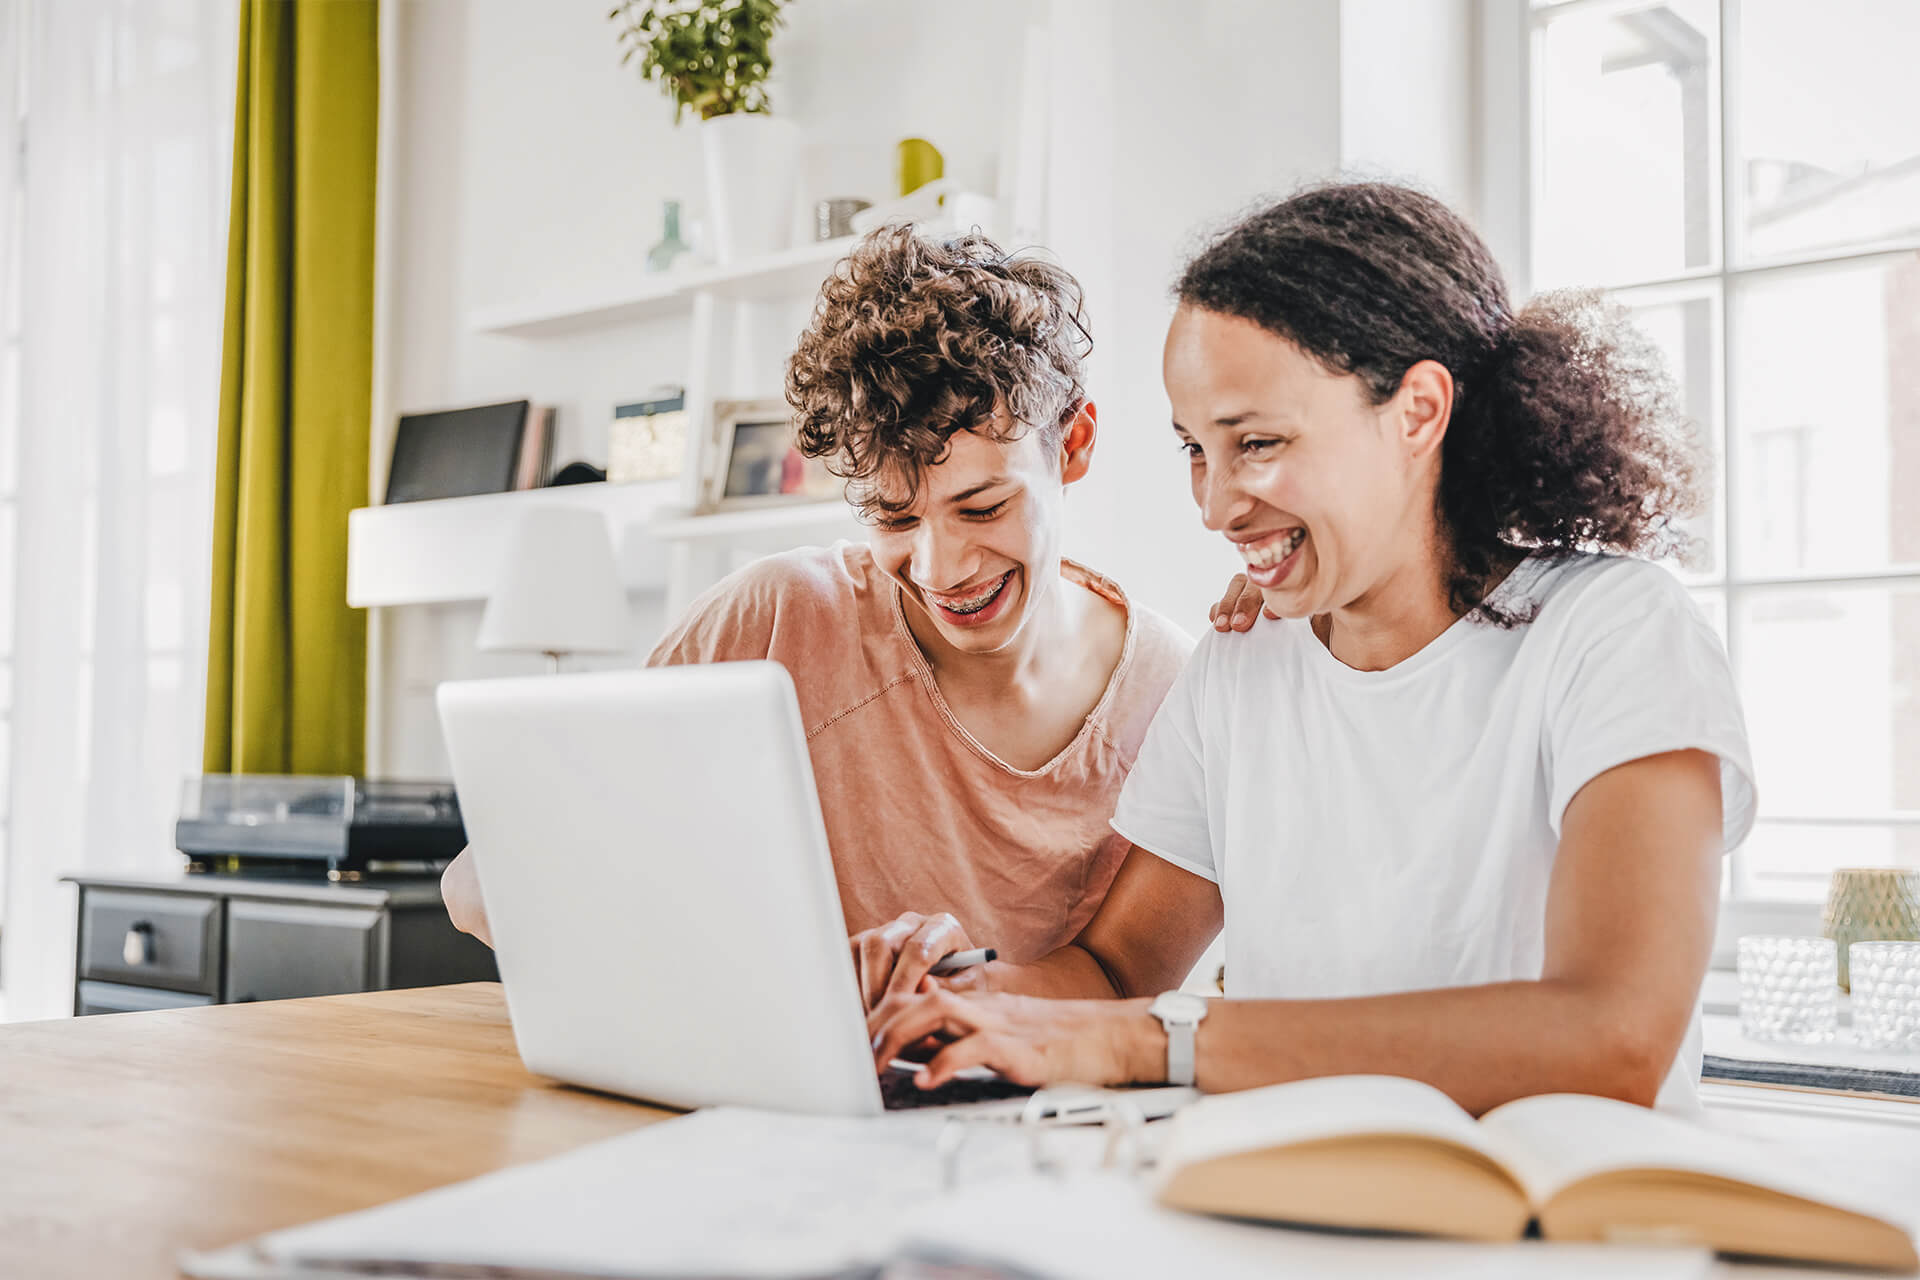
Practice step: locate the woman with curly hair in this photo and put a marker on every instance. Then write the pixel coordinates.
(1461, 810)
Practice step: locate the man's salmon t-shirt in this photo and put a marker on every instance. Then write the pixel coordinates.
(919, 815)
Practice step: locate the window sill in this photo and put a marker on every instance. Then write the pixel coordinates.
(1748, 917)
(1840, 1069)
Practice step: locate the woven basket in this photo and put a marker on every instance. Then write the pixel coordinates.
(1868, 904)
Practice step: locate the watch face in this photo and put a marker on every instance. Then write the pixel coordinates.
(1181, 1006)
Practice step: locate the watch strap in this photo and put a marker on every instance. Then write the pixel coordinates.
(1179, 1050)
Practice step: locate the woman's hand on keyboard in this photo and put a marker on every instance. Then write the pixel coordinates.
(892, 961)
(1028, 1039)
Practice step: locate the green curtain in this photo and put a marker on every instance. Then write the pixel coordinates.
(286, 657)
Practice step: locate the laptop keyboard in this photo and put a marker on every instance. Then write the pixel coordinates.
(898, 1092)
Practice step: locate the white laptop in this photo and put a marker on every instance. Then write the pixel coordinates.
(656, 875)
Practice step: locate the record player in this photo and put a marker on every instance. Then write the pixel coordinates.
(350, 826)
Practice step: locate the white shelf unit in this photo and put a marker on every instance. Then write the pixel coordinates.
(705, 548)
(779, 275)
(806, 519)
(451, 550)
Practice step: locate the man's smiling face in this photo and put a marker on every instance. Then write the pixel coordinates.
(980, 544)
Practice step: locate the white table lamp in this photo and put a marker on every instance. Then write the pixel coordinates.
(559, 592)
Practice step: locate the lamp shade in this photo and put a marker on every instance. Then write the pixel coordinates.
(559, 591)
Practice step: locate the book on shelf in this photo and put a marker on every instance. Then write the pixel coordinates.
(535, 465)
(1381, 1153)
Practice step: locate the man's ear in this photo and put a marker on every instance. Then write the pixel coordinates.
(1423, 407)
(1076, 444)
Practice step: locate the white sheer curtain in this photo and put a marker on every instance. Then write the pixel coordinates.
(118, 154)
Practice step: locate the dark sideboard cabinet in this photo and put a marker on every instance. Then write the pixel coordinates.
(164, 942)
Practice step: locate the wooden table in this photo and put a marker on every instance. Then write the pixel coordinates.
(125, 1139)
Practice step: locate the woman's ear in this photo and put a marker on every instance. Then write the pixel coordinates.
(1424, 407)
(1076, 443)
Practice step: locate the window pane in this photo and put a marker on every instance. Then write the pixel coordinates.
(7, 576)
(1628, 143)
(1713, 603)
(1826, 418)
(1828, 123)
(9, 416)
(171, 374)
(161, 736)
(89, 571)
(1792, 861)
(170, 531)
(1831, 682)
(1687, 331)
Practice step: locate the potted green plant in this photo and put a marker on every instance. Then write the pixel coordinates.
(712, 57)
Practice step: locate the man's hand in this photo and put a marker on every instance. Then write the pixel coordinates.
(893, 959)
(1238, 608)
(460, 890)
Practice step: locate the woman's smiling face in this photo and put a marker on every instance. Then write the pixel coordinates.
(1322, 492)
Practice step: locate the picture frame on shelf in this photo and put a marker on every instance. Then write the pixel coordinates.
(756, 463)
(647, 439)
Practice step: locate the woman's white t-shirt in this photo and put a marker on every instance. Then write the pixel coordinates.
(1386, 831)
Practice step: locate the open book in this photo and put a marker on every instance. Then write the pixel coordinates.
(1387, 1154)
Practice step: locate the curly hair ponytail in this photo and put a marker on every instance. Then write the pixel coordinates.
(1566, 430)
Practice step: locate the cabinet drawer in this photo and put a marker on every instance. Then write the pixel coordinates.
(151, 940)
(112, 997)
(276, 950)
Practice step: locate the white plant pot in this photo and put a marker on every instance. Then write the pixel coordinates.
(753, 175)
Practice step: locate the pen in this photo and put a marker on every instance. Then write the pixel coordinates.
(955, 961)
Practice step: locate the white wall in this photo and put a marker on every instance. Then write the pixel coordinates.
(1180, 115)
(1405, 110)
(528, 164)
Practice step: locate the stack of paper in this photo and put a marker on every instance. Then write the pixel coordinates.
(726, 1191)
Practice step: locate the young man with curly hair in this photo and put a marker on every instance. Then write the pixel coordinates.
(972, 700)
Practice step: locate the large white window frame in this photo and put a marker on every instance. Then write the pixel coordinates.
(1509, 106)
(13, 100)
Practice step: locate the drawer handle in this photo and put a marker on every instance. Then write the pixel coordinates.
(136, 949)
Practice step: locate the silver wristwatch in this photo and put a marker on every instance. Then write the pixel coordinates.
(1180, 1013)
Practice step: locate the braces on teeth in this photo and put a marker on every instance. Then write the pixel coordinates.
(976, 605)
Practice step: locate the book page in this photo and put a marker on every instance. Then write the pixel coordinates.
(1099, 1226)
(1309, 1110)
(1555, 1140)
